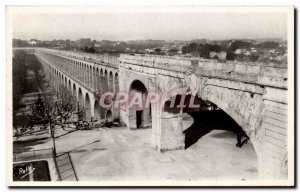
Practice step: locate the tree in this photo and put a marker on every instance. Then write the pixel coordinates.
(230, 55)
(92, 50)
(254, 57)
(270, 44)
(53, 110)
(66, 104)
(157, 50)
(185, 50)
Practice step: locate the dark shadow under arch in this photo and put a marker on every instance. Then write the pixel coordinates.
(74, 90)
(109, 116)
(87, 107)
(206, 118)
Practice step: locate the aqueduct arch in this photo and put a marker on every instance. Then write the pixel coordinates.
(87, 107)
(109, 116)
(97, 80)
(69, 86)
(116, 83)
(139, 114)
(110, 82)
(66, 83)
(231, 102)
(74, 91)
(197, 108)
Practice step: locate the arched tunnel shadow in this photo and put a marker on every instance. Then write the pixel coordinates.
(207, 121)
(206, 118)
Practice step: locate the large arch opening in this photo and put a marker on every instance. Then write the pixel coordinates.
(87, 107)
(209, 119)
(204, 114)
(109, 116)
(66, 83)
(80, 105)
(70, 87)
(97, 80)
(209, 129)
(116, 83)
(139, 113)
(90, 74)
(110, 82)
(74, 90)
(61, 83)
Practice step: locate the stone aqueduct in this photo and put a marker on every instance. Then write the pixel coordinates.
(252, 94)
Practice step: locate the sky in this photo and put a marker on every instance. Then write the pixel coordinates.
(155, 24)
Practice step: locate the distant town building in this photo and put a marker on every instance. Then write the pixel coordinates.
(149, 51)
(32, 42)
(253, 50)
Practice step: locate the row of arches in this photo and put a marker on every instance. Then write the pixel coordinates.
(100, 79)
(87, 103)
(80, 78)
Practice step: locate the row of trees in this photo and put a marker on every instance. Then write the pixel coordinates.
(25, 70)
(89, 49)
(19, 76)
(202, 50)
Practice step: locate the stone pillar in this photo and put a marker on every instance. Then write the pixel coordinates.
(93, 78)
(273, 156)
(170, 134)
(131, 119)
(147, 117)
(156, 112)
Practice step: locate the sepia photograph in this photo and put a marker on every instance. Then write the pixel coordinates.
(150, 96)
